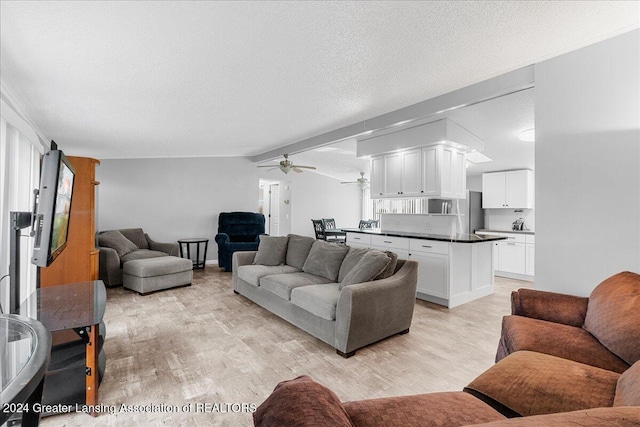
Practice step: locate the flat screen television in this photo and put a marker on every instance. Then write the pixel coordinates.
(53, 211)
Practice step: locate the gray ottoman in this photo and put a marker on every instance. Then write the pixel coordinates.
(155, 274)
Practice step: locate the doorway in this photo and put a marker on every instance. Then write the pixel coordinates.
(269, 205)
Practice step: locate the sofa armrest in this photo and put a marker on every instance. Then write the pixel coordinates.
(368, 312)
(172, 249)
(550, 306)
(529, 383)
(222, 238)
(109, 268)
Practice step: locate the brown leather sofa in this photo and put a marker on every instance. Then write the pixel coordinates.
(602, 330)
(562, 360)
(534, 388)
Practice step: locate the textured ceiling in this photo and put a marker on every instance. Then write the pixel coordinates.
(156, 79)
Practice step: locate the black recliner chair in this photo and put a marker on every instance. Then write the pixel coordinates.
(237, 231)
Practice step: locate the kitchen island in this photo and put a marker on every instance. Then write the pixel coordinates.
(452, 269)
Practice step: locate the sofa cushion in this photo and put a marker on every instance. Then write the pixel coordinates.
(568, 342)
(301, 402)
(252, 273)
(628, 388)
(597, 417)
(613, 315)
(424, 410)
(528, 383)
(325, 259)
(141, 254)
(370, 265)
(320, 300)
(350, 260)
(391, 267)
(115, 240)
(298, 250)
(272, 250)
(282, 284)
(136, 235)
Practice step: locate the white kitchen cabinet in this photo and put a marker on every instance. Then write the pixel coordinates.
(444, 172)
(433, 273)
(512, 257)
(449, 274)
(530, 255)
(377, 177)
(508, 190)
(358, 240)
(433, 266)
(411, 173)
(399, 245)
(435, 171)
(392, 185)
(529, 269)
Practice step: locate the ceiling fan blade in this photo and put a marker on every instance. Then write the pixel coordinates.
(268, 166)
(296, 169)
(305, 167)
(349, 182)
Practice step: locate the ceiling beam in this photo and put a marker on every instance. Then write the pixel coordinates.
(501, 85)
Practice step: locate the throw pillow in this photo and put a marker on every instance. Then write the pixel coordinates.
(136, 235)
(115, 240)
(298, 250)
(391, 267)
(370, 265)
(271, 250)
(613, 316)
(628, 387)
(325, 259)
(299, 402)
(352, 258)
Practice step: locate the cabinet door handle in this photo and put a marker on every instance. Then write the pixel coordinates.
(511, 244)
(386, 241)
(424, 246)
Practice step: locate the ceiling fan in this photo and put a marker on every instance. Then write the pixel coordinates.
(287, 165)
(362, 181)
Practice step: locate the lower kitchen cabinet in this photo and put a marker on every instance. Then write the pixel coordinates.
(514, 257)
(449, 273)
(511, 257)
(433, 273)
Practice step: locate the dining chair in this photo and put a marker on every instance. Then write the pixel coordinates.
(318, 227)
(330, 225)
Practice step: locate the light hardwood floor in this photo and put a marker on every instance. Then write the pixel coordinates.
(205, 344)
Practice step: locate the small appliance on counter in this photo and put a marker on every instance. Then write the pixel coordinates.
(518, 225)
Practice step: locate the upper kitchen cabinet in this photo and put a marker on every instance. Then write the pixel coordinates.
(444, 173)
(428, 159)
(508, 190)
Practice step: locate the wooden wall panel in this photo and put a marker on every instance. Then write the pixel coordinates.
(79, 260)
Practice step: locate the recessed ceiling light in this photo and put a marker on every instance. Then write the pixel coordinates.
(477, 157)
(528, 135)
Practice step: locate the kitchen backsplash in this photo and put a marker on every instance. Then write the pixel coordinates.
(502, 219)
(419, 223)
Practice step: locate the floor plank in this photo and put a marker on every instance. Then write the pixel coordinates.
(204, 344)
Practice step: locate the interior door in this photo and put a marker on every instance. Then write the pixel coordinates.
(274, 210)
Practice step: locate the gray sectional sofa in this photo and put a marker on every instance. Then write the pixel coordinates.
(346, 297)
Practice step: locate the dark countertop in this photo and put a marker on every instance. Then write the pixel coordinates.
(488, 230)
(453, 238)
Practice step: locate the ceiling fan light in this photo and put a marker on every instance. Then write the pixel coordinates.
(528, 135)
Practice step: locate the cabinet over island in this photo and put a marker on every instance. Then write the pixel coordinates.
(452, 269)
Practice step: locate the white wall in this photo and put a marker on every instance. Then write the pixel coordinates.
(182, 197)
(315, 196)
(588, 165)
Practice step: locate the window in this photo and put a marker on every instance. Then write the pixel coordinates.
(372, 208)
(20, 153)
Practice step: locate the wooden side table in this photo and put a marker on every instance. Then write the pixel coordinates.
(198, 263)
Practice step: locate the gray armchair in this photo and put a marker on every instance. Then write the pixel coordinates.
(119, 246)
